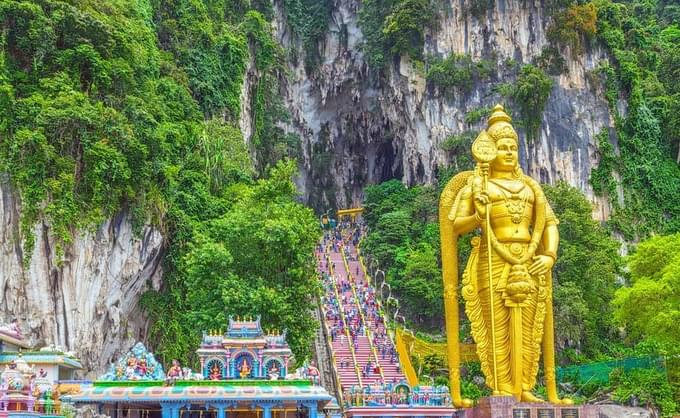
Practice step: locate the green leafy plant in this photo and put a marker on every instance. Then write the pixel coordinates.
(458, 73)
(531, 91)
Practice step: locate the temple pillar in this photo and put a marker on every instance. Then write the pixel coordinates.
(267, 411)
(311, 406)
(220, 411)
(169, 410)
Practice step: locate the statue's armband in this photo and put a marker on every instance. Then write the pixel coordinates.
(550, 218)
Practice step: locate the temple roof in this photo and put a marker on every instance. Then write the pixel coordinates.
(224, 392)
(43, 357)
(244, 331)
(246, 328)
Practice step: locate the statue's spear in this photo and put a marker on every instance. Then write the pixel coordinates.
(484, 151)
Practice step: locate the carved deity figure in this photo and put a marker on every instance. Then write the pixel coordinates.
(175, 371)
(215, 372)
(273, 372)
(130, 370)
(506, 284)
(244, 369)
(141, 369)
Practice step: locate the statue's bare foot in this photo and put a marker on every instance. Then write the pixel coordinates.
(530, 397)
(463, 403)
(563, 401)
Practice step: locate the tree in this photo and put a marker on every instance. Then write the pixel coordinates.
(418, 281)
(247, 253)
(403, 29)
(584, 276)
(649, 308)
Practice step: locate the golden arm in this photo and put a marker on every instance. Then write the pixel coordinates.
(463, 214)
(550, 240)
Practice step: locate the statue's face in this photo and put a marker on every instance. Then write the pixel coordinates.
(507, 157)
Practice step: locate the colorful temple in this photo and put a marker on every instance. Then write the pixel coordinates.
(244, 373)
(30, 379)
(243, 352)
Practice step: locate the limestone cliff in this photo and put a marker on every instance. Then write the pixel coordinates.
(85, 300)
(357, 128)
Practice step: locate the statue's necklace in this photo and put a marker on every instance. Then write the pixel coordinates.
(516, 203)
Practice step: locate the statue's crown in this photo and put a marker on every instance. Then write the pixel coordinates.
(499, 125)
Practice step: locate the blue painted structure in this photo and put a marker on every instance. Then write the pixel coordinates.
(244, 346)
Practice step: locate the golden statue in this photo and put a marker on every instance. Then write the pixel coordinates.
(507, 283)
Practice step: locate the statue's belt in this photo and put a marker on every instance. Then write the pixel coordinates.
(517, 249)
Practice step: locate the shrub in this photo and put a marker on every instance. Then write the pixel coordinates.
(570, 26)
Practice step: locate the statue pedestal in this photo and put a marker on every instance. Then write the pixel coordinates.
(508, 407)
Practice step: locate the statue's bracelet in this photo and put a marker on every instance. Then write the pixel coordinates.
(550, 254)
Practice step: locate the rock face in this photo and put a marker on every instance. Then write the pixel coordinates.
(85, 300)
(617, 411)
(359, 128)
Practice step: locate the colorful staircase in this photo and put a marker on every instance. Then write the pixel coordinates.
(363, 352)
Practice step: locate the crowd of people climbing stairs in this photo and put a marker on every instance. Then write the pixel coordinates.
(363, 353)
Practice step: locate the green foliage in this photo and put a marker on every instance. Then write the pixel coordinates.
(647, 387)
(649, 308)
(225, 154)
(531, 91)
(420, 286)
(477, 114)
(469, 388)
(551, 61)
(572, 25)
(404, 239)
(584, 275)
(601, 177)
(458, 146)
(404, 27)
(269, 140)
(252, 254)
(92, 121)
(212, 54)
(104, 108)
(645, 52)
(394, 27)
(458, 73)
(309, 20)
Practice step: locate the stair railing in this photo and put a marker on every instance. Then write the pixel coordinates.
(329, 349)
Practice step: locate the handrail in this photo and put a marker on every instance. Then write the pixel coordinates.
(363, 319)
(344, 322)
(381, 312)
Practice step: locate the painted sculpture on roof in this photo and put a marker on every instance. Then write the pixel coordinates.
(137, 364)
(12, 329)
